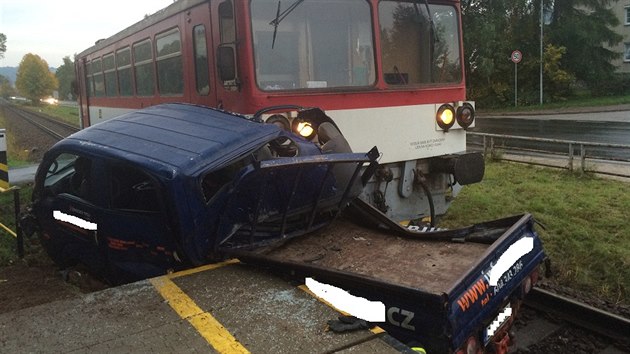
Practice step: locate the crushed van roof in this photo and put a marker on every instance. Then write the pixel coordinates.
(182, 136)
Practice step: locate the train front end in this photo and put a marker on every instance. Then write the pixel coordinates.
(390, 74)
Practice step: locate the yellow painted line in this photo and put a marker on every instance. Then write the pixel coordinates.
(8, 230)
(209, 328)
(375, 329)
(4, 167)
(202, 268)
(4, 185)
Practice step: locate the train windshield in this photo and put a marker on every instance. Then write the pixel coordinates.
(419, 43)
(312, 44)
(305, 44)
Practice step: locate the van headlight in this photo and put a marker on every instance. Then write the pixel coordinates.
(304, 129)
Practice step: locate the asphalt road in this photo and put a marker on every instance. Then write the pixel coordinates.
(607, 127)
(620, 113)
(22, 174)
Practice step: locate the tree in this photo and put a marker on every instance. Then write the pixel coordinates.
(584, 28)
(576, 45)
(34, 80)
(492, 30)
(6, 89)
(65, 76)
(557, 80)
(3, 44)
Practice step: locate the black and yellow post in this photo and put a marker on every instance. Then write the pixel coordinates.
(4, 187)
(4, 167)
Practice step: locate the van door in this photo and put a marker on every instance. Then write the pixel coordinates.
(135, 226)
(107, 216)
(67, 211)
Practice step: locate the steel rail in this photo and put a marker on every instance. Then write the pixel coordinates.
(47, 130)
(55, 121)
(583, 315)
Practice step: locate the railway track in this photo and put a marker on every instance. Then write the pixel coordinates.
(553, 323)
(50, 126)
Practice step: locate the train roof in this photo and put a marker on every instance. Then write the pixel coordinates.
(173, 138)
(173, 9)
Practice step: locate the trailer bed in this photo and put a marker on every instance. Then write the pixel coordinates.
(429, 265)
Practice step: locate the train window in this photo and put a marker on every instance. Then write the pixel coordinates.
(201, 60)
(169, 63)
(226, 22)
(99, 83)
(90, 78)
(109, 69)
(419, 45)
(143, 68)
(123, 59)
(313, 46)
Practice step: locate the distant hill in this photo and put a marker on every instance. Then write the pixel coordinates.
(10, 72)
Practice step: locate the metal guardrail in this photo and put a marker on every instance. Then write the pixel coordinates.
(493, 143)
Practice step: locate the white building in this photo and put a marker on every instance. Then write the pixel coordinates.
(622, 10)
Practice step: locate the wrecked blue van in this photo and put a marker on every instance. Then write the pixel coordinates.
(174, 185)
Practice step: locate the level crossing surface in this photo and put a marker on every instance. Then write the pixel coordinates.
(223, 308)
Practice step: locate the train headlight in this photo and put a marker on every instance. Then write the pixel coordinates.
(304, 129)
(465, 115)
(445, 117)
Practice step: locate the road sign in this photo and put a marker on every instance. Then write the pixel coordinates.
(516, 56)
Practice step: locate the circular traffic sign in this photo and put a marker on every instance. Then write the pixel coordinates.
(516, 56)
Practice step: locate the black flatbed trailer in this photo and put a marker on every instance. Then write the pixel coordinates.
(434, 285)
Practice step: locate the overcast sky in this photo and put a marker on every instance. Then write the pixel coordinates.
(54, 29)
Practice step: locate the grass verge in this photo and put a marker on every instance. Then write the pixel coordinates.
(586, 233)
(573, 102)
(67, 114)
(16, 155)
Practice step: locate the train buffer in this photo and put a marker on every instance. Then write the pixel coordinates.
(223, 308)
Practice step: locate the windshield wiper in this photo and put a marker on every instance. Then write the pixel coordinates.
(433, 35)
(433, 32)
(280, 16)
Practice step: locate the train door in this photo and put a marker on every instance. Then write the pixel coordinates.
(226, 46)
(84, 105)
(202, 82)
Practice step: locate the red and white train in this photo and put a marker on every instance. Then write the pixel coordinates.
(389, 72)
